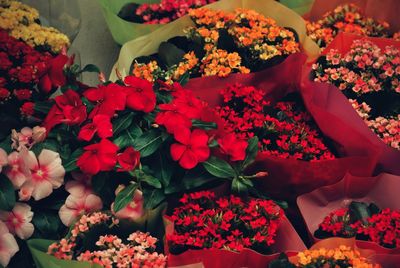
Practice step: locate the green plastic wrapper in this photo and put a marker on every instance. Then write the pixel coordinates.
(121, 30)
(301, 7)
(148, 44)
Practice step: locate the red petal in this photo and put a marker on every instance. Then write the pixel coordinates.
(45, 84)
(182, 134)
(94, 94)
(87, 132)
(202, 153)
(88, 163)
(177, 151)
(103, 125)
(188, 160)
(199, 138)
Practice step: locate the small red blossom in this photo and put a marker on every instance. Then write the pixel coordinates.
(27, 109)
(129, 159)
(233, 147)
(140, 94)
(101, 125)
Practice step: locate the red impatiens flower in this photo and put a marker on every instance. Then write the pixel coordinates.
(28, 108)
(129, 159)
(171, 119)
(192, 149)
(54, 74)
(109, 98)
(140, 94)
(233, 147)
(188, 104)
(101, 125)
(98, 157)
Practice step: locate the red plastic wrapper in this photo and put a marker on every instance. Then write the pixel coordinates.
(381, 10)
(381, 190)
(333, 101)
(287, 240)
(289, 178)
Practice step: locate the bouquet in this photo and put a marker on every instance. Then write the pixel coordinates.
(228, 230)
(366, 221)
(221, 43)
(346, 18)
(284, 129)
(159, 13)
(350, 209)
(23, 23)
(369, 78)
(99, 238)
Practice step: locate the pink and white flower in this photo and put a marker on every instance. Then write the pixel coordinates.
(47, 173)
(76, 206)
(3, 159)
(27, 137)
(8, 245)
(19, 220)
(17, 170)
(80, 186)
(134, 210)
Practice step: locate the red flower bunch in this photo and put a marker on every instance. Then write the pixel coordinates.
(204, 221)
(284, 129)
(365, 222)
(166, 11)
(27, 75)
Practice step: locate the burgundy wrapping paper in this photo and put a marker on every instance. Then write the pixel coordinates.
(381, 190)
(334, 102)
(287, 240)
(289, 178)
(382, 10)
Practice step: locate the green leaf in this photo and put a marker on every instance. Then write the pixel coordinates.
(163, 168)
(124, 197)
(219, 168)
(170, 54)
(184, 79)
(148, 142)
(197, 177)
(128, 136)
(6, 144)
(359, 211)
(47, 224)
(91, 68)
(152, 198)
(281, 262)
(239, 187)
(152, 181)
(251, 151)
(122, 123)
(70, 163)
(204, 125)
(43, 106)
(7, 195)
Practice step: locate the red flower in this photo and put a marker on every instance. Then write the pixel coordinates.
(54, 74)
(188, 104)
(4, 93)
(129, 159)
(140, 94)
(23, 94)
(101, 125)
(192, 149)
(28, 108)
(234, 147)
(98, 157)
(109, 98)
(171, 119)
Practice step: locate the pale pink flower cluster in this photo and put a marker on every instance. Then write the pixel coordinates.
(388, 129)
(365, 68)
(81, 200)
(362, 109)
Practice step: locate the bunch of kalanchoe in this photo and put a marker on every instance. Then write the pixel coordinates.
(205, 221)
(22, 22)
(167, 10)
(219, 44)
(345, 18)
(109, 250)
(365, 222)
(370, 78)
(284, 129)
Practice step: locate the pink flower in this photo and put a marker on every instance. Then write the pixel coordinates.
(3, 159)
(76, 206)
(134, 210)
(47, 173)
(17, 170)
(80, 186)
(8, 245)
(27, 137)
(19, 220)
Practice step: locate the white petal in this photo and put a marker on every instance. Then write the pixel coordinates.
(66, 215)
(25, 231)
(8, 247)
(41, 190)
(47, 157)
(93, 203)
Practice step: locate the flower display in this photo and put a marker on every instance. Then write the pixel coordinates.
(19, 220)
(284, 129)
(22, 22)
(109, 250)
(160, 13)
(369, 77)
(219, 44)
(346, 18)
(204, 221)
(364, 221)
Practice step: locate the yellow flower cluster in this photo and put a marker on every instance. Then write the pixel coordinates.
(220, 62)
(20, 21)
(145, 71)
(343, 253)
(190, 61)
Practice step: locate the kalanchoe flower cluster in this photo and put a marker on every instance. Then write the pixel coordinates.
(168, 10)
(26, 75)
(137, 250)
(284, 129)
(253, 41)
(342, 256)
(21, 21)
(204, 221)
(370, 78)
(381, 228)
(345, 18)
